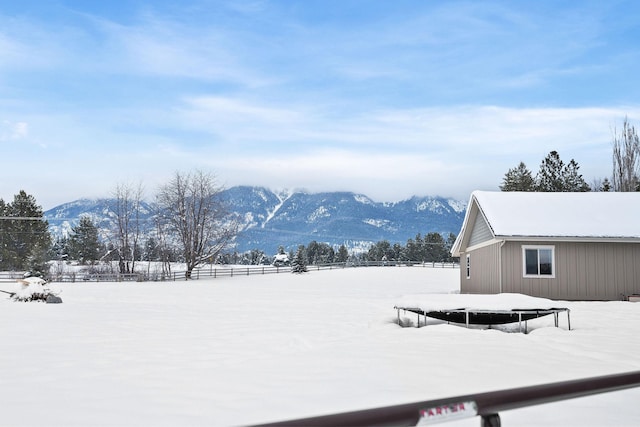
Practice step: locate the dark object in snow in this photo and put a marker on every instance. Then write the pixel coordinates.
(34, 289)
(482, 317)
(471, 316)
(53, 299)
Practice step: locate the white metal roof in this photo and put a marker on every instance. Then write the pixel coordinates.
(582, 215)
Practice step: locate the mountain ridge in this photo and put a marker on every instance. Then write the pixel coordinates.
(269, 219)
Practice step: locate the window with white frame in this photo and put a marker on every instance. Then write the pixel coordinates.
(468, 266)
(538, 261)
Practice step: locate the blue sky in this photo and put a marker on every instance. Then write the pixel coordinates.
(388, 99)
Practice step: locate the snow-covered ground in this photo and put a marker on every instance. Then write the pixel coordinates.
(242, 350)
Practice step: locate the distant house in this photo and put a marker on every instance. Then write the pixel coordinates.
(569, 246)
(280, 260)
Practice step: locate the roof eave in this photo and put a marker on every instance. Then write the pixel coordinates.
(585, 239)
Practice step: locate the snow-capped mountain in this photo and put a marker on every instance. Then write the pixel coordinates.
(101, 211)
(283, 218)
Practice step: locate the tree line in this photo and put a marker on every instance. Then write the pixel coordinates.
(191, 225)
(26, 244)
(556, 176)
(432, 247)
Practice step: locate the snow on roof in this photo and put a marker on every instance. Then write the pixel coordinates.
(497, 302)
(590, 214)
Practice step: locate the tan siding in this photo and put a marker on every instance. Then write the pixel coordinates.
(583, 271)
(484, 271)
(481, 231)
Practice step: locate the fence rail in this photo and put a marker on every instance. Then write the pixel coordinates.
(486, 405)
(11, 276)
(216, 271)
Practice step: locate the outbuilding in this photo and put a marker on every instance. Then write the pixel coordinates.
(567, 246)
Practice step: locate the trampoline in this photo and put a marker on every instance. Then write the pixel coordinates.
(487, 310)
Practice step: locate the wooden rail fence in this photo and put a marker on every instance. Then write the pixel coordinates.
(216, 271)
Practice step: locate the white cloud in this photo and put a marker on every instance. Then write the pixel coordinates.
(381, 176)
(498, 130)
(393, 154)
(164, 46)
(13, 131)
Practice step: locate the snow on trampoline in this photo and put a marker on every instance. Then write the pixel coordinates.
(474, 309)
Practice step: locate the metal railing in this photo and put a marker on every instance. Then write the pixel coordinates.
(486, 405)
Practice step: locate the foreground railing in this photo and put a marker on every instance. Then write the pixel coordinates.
(486, 405)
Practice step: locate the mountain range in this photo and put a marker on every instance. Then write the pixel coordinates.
(269, 219)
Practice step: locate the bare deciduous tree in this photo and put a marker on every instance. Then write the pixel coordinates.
(127, 228)
(164, 248)
(195, 213)
(626, 158)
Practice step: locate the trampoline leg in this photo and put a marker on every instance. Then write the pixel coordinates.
(520, 321)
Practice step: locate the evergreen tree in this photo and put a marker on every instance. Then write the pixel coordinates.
(299, 263)
(320, 253)
(25, 237)
(518, 179)
(255, 257)
(37, 260)
(421, 248)
(600, 185)
(152, 251)
(436, 248)
(550, 176)
(555, 176)
(450, 241)
(573, 181)
(342, 255)
(410, 251)
(84, 243)
(396, 251)
(5, 253)
(380, 250)
(60, 248)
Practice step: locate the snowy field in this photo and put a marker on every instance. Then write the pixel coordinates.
(252, 349)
